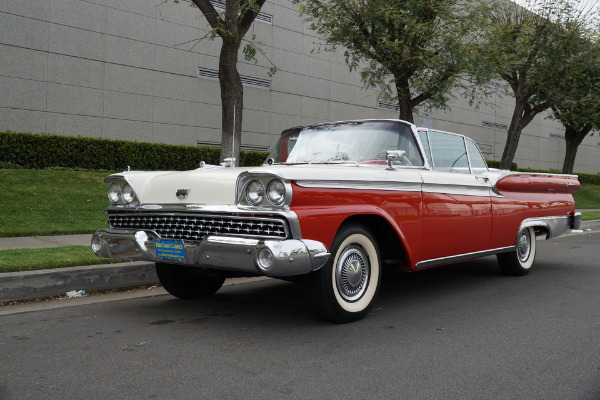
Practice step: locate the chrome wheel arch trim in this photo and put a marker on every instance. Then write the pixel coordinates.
(554, 226)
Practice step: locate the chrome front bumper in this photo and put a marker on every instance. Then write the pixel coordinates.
(287, 257)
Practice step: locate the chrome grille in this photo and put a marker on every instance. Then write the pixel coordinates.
(198, 226)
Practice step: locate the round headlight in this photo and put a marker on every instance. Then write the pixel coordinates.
(114, 193)
(276, 192)
(255, 192)
(127, 194)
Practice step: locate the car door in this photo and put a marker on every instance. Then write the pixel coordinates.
(457, 211)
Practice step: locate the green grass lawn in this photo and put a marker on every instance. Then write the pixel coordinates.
(590, 215)
(587, 196)
(51, 202)
(48, 258)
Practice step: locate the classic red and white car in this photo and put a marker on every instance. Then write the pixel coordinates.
(332, 206)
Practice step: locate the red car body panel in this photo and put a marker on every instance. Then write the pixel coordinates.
(437, 225)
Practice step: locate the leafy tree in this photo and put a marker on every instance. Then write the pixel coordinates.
(423, 46)
(578, 106)
(533, 50)
(231, 26)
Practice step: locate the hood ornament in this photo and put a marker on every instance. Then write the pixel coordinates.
(182, 193)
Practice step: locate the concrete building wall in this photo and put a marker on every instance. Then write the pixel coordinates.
(130, 70)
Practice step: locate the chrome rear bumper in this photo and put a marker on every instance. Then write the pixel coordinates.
(277, 257)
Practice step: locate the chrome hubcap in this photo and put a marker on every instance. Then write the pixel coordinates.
(524, 245)
(352, 272)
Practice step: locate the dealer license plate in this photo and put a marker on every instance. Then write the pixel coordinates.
(170, 250)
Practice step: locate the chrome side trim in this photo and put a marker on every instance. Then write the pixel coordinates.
(290, 257)
(555, 226)
(462, 257)
(362, 185)
(464, 190)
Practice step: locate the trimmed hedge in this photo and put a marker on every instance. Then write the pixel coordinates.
(44, 150)
(496, 164)
(27, 150)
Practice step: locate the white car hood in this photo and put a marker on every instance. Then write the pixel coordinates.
(217, 186)
(205, 186)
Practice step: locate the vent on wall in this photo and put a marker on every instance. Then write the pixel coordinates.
(386, 105)
(493, 125)
(245, 147)
(556, 136)
(261, 17)
(486, 149)
(246, 80)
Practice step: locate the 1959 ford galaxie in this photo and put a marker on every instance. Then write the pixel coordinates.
(332, 206)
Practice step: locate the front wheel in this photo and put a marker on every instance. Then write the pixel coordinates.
(187, 284)
(344, 289)
(519, 261)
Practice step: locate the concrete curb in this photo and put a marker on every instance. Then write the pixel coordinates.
(53, 282)
(593, 224)
(59, 281)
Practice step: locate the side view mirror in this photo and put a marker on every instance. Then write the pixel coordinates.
(393, 155)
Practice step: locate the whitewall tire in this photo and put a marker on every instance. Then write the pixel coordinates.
(344, 289)
(519, 261)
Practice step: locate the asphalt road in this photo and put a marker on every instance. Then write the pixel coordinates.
(457, 332)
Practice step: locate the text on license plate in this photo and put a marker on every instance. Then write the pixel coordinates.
(171, 250)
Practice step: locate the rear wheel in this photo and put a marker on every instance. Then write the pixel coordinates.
(186, 284)
(344, 289)
(519, 261)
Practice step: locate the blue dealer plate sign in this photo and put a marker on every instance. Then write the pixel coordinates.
(170, 250)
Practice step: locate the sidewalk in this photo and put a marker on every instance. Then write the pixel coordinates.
(39, 242)
(53, 282)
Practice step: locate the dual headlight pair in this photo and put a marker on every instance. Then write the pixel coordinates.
(274, 193)
(120, 193)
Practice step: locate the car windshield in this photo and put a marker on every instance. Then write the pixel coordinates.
(358, 142)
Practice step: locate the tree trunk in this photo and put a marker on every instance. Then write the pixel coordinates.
(512, 138)
(573, 139)
(232, 100)
(404, 101)
(522, 116)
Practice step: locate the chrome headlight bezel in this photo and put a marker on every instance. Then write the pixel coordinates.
(249, 182)
(120, 192)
